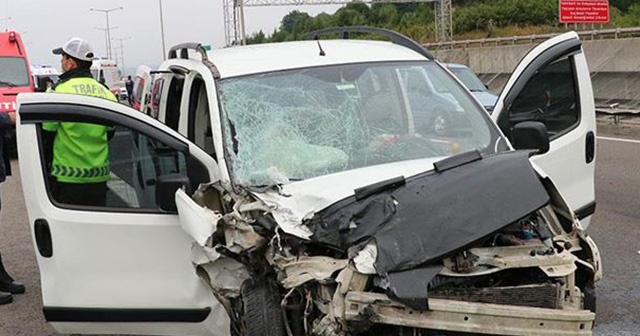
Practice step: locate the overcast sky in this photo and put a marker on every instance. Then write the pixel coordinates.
(47, 24)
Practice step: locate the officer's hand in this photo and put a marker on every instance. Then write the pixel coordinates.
(12, 116)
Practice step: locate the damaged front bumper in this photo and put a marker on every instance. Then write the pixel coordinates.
(471, 317)
(402, 258)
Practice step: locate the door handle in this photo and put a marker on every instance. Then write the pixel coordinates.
(43, 237)
(590, 147)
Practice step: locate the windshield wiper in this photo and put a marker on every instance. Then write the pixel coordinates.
(7, 83)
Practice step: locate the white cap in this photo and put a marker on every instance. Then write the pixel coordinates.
(76, 48)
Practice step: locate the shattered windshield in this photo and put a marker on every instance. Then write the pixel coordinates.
(299, 124)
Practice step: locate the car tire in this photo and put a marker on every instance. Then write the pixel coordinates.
(262, 312)
(590, 298)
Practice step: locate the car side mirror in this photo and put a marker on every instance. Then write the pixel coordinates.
(531, 135)
(166, 187)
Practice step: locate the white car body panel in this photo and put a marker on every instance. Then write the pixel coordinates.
(111, 260)
(216, 124)
(269, 57)
(565, 161)
(136, 260)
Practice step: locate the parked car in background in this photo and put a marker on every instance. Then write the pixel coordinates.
(474, 84)
(301, 188)
(123, 94)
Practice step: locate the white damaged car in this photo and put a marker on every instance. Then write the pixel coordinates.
(301, 188)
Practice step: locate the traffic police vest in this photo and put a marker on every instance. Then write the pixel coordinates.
(80, 150)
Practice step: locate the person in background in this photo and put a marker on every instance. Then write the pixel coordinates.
(8, 285)
(48, 83)
(79, 151)
(129, 85)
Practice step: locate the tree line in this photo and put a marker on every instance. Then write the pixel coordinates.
(471, 19)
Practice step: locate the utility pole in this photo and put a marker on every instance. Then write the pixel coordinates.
(6, 18)
(106, 12)
(164, 49)
(121, 47)
(106, 39)
(444, 21)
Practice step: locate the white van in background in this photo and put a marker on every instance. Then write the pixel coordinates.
(106, 71)
(41, 73)
(141, 88)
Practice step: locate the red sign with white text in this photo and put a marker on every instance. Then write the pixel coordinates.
(584, 11)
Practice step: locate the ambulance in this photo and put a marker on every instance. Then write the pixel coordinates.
(41, 74)
(141, 88)
(106, 71)
(15, 74)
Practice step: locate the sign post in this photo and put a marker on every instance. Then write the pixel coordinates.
(584, 11)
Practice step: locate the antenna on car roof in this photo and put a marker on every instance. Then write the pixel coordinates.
(395, 37)
(321, 51)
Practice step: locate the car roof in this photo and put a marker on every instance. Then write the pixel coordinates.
(261, 58)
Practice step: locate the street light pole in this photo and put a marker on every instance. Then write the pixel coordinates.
(7, 18)
(122, 51)
(106, 12)
(106, 38)
(164, 49)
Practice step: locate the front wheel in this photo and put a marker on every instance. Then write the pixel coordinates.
(262, 314)
(590, 298)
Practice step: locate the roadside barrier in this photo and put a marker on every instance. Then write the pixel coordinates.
(614, 33)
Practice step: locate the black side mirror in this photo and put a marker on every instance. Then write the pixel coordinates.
(166, 187)
(531, 135)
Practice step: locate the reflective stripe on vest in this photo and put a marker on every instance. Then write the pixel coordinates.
(71, 172)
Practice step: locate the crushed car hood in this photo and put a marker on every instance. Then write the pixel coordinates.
(435, 213)
(298, 201)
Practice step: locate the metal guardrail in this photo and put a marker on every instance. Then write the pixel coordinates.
(617, 112)
(585, 35)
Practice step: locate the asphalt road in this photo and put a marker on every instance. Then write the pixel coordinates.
(615, 228)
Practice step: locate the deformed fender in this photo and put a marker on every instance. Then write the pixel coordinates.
(298, 271)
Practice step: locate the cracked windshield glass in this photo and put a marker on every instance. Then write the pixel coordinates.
(295, 125)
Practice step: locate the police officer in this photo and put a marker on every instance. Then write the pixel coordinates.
(7, 285)
(80, 158)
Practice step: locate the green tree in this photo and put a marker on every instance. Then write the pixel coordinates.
(353, 14)
(416, 20)
(323, 20)
(623, 5)
(385, 15)
(295, 24)
(257, 38)
(632, 18)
